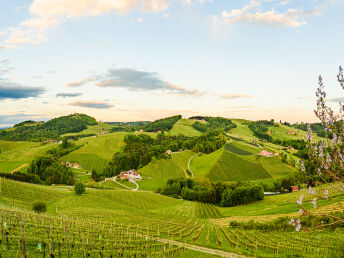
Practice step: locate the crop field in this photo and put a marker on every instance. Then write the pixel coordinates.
(164, 169)
(233, 168)
(184, 126)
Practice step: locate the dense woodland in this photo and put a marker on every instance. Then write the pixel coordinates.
(212, 123)
(160, 125)
(36, 132)
(51, 171)
(217, 193)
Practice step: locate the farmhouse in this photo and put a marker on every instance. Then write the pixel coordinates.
(168, 153)
(266, 153)
(131, 174)
(290, 148)
(291, 132)
(294, 188)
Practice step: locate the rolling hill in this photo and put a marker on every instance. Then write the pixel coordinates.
(184, 126)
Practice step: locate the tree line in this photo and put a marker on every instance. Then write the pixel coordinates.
(203, 190)
(212, 123)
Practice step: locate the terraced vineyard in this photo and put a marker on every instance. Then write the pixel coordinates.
(232, 168)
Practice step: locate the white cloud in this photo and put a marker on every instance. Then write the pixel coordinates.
(47, 14)
(253, 13)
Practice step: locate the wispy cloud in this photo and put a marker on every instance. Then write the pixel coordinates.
(68, 94)
(5, 66)
(234, 96)
(15, 91)
(135, 80)
(91, 104)
(254, 12)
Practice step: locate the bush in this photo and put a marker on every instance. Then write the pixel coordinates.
(79, 188)
(39, 207)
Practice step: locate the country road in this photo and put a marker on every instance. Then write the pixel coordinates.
(189, 164)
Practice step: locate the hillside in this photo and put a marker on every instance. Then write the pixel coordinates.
(32, 131)
(158, 172)
(240, 161)
(184, 126)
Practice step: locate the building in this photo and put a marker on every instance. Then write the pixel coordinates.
(294, 188)
(76, 165)
(266, 153)
(290, 148)
(131, 174)
(291, 132)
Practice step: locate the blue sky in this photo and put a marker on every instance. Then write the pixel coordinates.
(124, 60)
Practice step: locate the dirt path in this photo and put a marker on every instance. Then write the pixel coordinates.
(189, 164)
(134, 189)
(195, 247)
(19, 168)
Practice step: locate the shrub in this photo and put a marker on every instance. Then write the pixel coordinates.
(79, 188)
(39, 207)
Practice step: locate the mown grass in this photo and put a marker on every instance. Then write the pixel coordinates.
(184, 126)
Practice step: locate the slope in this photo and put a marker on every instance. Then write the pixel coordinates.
(162, 170)
(97, 151)
(184, 126)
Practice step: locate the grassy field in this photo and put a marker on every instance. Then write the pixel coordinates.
(184, 126)
(20, 153)
(156, 174)
(97, 151)
(201, 165)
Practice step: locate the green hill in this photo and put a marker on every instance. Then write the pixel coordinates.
(184, 126)
(20, 154)
(239, 161)
(31, 131)
(159, 171)
(97, 151)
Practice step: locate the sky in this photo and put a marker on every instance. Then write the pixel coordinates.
(130, 60)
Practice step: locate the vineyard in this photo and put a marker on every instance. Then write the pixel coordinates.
(233, 168)
(87, 161)
(125, 223)
(236, 150)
